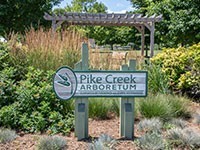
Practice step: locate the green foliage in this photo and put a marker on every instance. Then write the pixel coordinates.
(181, 67)
(61, 124)
(179, 106)
(27, 100)
(11, 71)
(99, 108)
(86, 6)
(36, 108)
(52, 143)
(116, 107)
(157, 81)
(5, 59)
(17, 15)
(163, 106)
(180, 22)
(18, 64)
(7, 86)
(156, 106)
(9, 116)
(7, 135)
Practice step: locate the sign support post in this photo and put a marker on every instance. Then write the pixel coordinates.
(81, 104)
(127, 109)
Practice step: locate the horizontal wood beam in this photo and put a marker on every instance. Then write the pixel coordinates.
(113, 18)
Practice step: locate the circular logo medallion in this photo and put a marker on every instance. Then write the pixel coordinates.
(65, 83)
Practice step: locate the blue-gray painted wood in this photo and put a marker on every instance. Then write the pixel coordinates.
(122, 108)
(81, 104)
(127, 109)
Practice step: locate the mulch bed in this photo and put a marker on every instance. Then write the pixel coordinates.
(96, 128)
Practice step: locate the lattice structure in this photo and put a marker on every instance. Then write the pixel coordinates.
(136, 20)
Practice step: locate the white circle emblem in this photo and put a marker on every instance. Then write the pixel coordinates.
(65, 83)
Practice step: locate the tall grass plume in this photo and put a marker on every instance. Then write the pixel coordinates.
(48, 50)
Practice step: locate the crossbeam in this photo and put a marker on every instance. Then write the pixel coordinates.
(109, 19)
(103, 19)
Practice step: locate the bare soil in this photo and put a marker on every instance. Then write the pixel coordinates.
(96, 128)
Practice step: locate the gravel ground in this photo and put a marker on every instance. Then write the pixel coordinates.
(96, 128)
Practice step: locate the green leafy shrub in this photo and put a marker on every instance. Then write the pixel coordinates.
(35, 105)
(11, 72)
(182, 69)
(7, 86)
(52, 143)
(9, 116)
(163, 106)
(5, 59)
(7, 135)
(18, 62)
(60, 123)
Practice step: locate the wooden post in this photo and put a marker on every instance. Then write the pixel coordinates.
(127, 110)
(53, 25)
(122, 109)
(152, 39)
(81, 104)
(142, 40)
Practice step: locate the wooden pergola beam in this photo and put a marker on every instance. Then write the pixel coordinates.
(103, 19)
(130, 18)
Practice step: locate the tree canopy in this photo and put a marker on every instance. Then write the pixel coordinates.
(18, 15)
(181, 20)
(180, 25)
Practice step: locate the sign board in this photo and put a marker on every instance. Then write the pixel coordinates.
(69, 83)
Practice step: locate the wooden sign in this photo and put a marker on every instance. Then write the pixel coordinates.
(69, 83)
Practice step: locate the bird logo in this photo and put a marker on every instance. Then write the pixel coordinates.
(64, 80)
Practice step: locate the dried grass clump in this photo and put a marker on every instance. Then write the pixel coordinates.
(48, 50)
(111, 60)
(45, 49)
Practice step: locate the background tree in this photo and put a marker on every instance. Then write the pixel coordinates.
(181, 20)
(87, 6)
(18, 15)
(113, 35)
